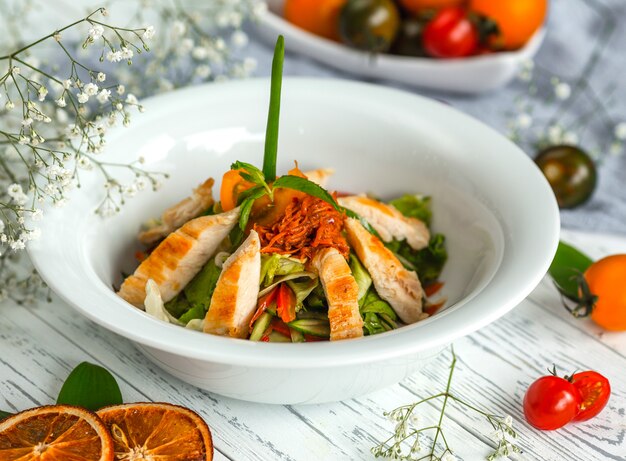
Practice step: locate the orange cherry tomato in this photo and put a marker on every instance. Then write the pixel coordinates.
(415, 6)
(517, 20)
(320, 17)
(607, 280)
(232, 185)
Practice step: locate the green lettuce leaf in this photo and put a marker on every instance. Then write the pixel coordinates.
(194, 301)
(378, 315)
(197, 311)
(428, 262)
(278, 265)
(361, 276)
(302, 289)
(414, 206)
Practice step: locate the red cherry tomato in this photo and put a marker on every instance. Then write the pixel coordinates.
(551, 402)
(594, 390)
(450, 34)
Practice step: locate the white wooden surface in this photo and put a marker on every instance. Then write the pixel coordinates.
(40, 345)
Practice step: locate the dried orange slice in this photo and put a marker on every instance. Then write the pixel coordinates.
(157, 431)
(55, 433)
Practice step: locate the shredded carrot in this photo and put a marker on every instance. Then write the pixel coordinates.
(308, 225)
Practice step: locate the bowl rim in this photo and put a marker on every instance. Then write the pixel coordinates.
(439, 330)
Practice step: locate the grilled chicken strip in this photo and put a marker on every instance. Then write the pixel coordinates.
(320, 177)
(179, 257)
(179, 214)
(388, 222)
(396, 285)
(235, 297)
(342, 293)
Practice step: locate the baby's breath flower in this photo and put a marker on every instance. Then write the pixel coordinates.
(199, 53)
(127, 53)
(555, 134)
(101, 77)
(148, 33)
(562, 91)
(42, 92)
(9, 105)
(620, 131)
(95, 32)
(178, 29)
(524, 121)
(37, 214)
(103, 96)
(90, 89)
(27, 121)
(82, 97)
(61, 102)
(571, 138)
(131, 99)
(239, 39)
(185, 46)
(114, 56)
(203, 71)
(120, 89)
(67, 83)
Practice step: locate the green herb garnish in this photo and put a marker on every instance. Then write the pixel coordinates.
(273, 116)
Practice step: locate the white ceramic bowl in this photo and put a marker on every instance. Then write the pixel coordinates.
(494, 206)
(476, 74)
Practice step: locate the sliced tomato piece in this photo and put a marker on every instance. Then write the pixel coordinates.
(595, 391)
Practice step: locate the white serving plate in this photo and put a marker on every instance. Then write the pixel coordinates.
(476, 74)
(495, 207)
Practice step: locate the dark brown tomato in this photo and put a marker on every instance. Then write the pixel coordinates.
(570, 172)
(369, 25)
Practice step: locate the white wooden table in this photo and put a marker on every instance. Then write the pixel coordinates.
(40, 345)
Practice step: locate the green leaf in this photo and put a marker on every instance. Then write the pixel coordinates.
(4, 414)
(251, 174)
(178, 305)
(368, 227)
(428, 262)
(198, 311)
(246, 207)
(276, 265)
(567, 263)
(90, 386)
(378, 315)
(414, 206)
(200, 290)
(273, 116)
(361, 276)
(306, 186)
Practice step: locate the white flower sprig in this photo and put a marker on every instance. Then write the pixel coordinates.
(196, 44)
(405, 443)
(45, 142)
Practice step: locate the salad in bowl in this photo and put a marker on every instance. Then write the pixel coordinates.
(283, 259)
(287, 260)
